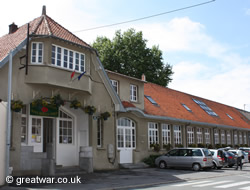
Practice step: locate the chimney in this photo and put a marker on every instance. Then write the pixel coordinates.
(143, 77)
(44, 10)
(12, 28)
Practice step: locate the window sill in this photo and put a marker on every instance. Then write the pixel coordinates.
(100, 148)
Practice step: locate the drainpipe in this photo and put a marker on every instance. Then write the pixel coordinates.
(8, 116)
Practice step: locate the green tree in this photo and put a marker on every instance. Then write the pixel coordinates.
(128, 54)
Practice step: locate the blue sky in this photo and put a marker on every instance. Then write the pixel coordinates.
(208, 46)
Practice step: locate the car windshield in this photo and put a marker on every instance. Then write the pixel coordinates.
(207, 152)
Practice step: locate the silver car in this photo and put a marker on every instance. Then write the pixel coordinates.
(195, 158)
(218, 158)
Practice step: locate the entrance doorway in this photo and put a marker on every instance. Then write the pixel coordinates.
(126, 139)
(48, 137)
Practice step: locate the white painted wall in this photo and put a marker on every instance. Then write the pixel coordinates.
(3, 120)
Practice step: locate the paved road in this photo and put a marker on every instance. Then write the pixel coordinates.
(153, 178)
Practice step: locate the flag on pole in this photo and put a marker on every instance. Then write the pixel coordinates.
(80, 76)
(72, 74)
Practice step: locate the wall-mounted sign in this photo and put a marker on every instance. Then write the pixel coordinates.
(48, 110)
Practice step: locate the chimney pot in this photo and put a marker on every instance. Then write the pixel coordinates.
(12, 28)
(143, 77)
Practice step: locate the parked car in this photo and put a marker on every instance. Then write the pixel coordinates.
(230, 157)
(247, 150)
(195, 158)
(245, 159)
(218, 158)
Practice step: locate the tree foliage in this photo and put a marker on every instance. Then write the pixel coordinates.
(128, 54)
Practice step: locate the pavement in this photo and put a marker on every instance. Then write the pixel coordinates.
(134, 178)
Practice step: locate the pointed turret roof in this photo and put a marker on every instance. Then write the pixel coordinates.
(41, 26)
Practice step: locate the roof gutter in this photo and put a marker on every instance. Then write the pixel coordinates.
(14, 52)
(141, 114)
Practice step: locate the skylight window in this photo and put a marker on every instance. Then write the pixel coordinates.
(205, 107)
(230, 116)
(187, 108)
(151, 100)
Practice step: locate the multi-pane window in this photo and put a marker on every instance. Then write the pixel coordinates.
(24, 125)
(199, 135)
(68, 59)
(37, 52)
(177, 134)
(216, 137)
(65, 128)
(190, 135)
(36, 130)
(166, 134)
(245, 138)
(240, 138)
(235, 138)
(229, 138)
(205, 107)
(152, 133)
(115, 85)
(99, 133)
(126, 133)
(222, 136)
(133, 93)
(207, 136)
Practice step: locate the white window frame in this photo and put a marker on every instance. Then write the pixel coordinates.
(166, 133)
(222, 137)
(177, 134)
(216, 137)
(240, 138)
(235, 138)
(153, 134)
(199, 135)
(245, 137)
(115, 85)
(190, 135)
(229, 141)
(133, 93)
(207, 136)
(72, 128)
(71, 60)
(36, 54)
(24, 115)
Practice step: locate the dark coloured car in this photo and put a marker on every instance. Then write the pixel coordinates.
(229, 158)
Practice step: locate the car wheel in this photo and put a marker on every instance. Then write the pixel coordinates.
(219, 168)
(214, 166)
(162, 164)
(230, 166)
(196, 167)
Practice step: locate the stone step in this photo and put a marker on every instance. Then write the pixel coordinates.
(134, 166)
(69, 171)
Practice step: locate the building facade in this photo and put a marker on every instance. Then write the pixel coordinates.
(66, 93)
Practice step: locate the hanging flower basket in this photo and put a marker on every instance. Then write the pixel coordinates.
(105, 115)
(17, 105)
(90, 110)
(75, 104)
(57, 100)
(41, 102)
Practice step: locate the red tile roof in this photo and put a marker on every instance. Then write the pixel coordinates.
(43, 25)
(170, 105)
(127, 104)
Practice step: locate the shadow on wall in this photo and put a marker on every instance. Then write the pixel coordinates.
(3, 120)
